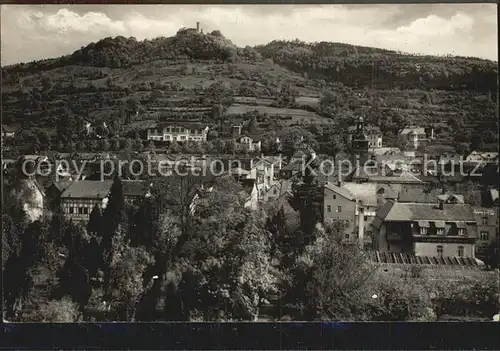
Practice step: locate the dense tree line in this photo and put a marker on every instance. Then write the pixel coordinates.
(158, 259)
(356, 66)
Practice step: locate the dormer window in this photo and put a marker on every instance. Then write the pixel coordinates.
(423, 230)
(439, 231)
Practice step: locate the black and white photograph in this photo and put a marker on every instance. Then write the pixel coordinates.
(250, 163)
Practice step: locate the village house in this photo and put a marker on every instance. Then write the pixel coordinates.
(136, 190)
(426, 229)
(416, 136)
(487, 157)
(340, 206)
(78, 200)
(92, 128)
(251, 142)
(278, 190)
(178, 131)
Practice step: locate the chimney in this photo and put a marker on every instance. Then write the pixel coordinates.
(197, 26)
(361, 226)
(440, 204)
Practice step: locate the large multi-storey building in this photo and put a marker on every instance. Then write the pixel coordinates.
(487, 229)
(78, 200)
(426, 229)
(178, 131)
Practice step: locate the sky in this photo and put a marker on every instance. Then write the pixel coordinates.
(33, 32)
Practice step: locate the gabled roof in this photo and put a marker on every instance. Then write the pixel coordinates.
(397, 211)
(61, 186)
(254, 136)
(88, 189)
(365, 192)
(418, 194)
(408, 130)
(11, 128)
(134, 188)
(283, 187)
(380, 151)
(187, 125)
(340, 191)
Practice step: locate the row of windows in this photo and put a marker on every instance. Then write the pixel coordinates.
(329, 208)
(178, 130)
(79, 210)
(440, 231)
(460, 251)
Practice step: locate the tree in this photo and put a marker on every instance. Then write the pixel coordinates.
(35, 144)
(104, 145)
(336, 277)
(115, 144)
(44, 139)
(127, 268)
(114, 214)
(252, 126)
(58, 311)
(95, 220)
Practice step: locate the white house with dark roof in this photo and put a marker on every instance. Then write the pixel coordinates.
(416, 136)
(476, 156)
(178, 131)
(78, 199)
(250, 141)
(426, 229)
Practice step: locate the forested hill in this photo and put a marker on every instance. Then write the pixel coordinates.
(191, 75)
(366, 67)
(351, 65)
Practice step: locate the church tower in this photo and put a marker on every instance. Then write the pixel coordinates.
(360, 144)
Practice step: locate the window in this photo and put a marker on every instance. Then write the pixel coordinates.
(334, 196)
(485, 220)
(70, 210)
(460, 251)
(85, 210)
(183, 137)
(339, 209)
(329, 208)
(365, 218)
(346, 235)
(80, 210)
(484, 236)
(275, 191)
(461, 231)
(423, 230)
(439, 251)
(439, 231)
